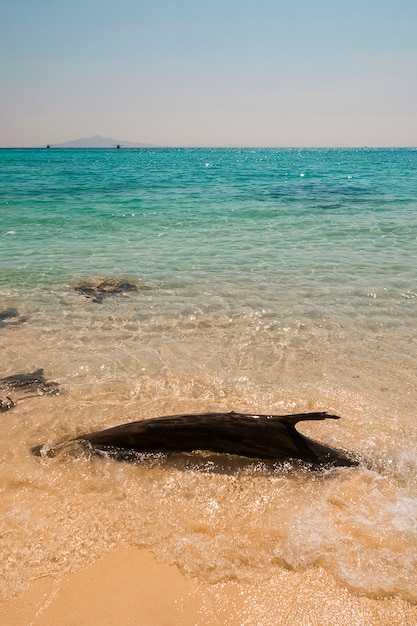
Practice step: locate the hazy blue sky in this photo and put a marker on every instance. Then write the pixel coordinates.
(182, 72)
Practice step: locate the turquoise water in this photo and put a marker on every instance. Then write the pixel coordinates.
(269, 281)
(267, 214)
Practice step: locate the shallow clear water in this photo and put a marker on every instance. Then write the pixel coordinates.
(269, 281)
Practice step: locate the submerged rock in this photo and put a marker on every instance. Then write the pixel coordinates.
(11, 317)
(6, 403)
(99, 288)
(32, 382)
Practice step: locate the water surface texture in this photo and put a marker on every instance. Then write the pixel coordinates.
(268, 281)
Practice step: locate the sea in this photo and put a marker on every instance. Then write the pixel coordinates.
(265, 281)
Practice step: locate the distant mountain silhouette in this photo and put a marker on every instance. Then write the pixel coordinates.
(96, 141)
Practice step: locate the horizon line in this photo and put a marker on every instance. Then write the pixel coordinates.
(210, 146)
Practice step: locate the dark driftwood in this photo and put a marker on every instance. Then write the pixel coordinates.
(271, 437)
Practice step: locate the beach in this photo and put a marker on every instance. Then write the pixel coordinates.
(124, 587)
(130, 587)
(257, 281)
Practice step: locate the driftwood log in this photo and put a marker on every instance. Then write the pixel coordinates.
(269, 437)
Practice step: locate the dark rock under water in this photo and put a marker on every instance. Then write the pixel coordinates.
(11, 317)
(98, 289)
(32, 383)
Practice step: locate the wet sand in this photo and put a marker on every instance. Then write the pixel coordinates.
(128, 586)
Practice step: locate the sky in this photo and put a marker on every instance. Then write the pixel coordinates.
(217, 73)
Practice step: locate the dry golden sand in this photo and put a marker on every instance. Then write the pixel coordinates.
(128, 586)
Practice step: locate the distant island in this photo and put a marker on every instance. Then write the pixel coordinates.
(96, 141)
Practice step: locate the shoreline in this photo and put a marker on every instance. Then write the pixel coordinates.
(129, 586)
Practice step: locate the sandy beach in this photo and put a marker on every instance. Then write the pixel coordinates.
(128, 586)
